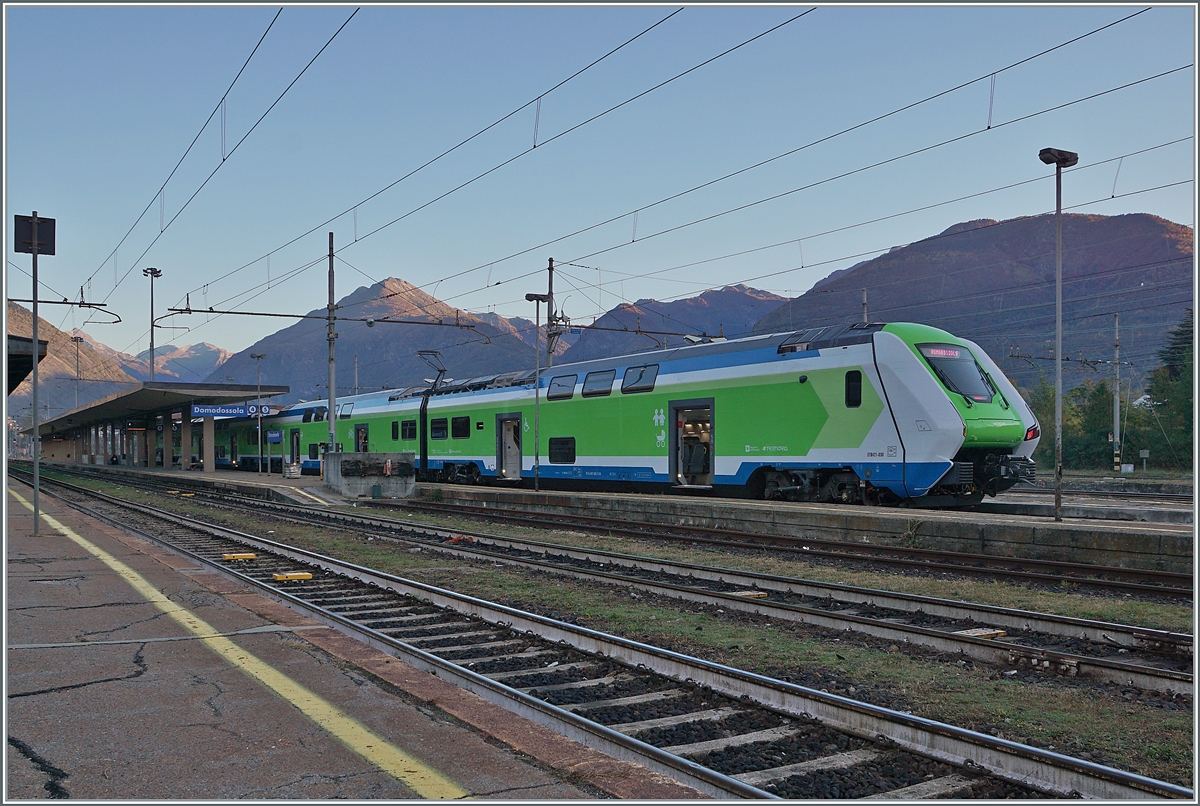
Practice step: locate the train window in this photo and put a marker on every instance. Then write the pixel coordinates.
(957, 370)
(599, 384)
(395, 430)
(437, 428)
(344, 411)
(308, 415)
(319, 414)
(639, 379)
(562, 450)
(853, 389)
(314, 450)
(562, 387)
(460, 427)
(408, 429)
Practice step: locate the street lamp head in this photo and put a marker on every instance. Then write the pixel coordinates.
(537, 297)
(151, 272)
(1056, 156)
(258, 356)
(77, 339)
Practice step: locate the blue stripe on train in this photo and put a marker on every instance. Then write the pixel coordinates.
(920, 476)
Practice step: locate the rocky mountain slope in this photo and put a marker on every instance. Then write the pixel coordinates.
(99, 373)
(386, 353)
(731, 311)
(993, 282)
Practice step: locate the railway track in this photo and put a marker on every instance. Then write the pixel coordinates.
(906, 559)
(1113, 578)
(1148, 659)
(728, 732)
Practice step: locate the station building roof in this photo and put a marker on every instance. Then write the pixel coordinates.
(148, 399)
(20, 358)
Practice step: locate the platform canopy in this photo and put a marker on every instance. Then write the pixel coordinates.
(148, 399)
(20, 358)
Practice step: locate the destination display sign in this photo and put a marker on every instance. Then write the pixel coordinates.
(274, 437)
(219, 410)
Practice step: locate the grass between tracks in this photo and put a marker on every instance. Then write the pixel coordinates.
(1103, 723)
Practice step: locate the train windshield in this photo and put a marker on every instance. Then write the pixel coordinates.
(957, 369)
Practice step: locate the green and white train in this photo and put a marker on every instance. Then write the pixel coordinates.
(864, 413)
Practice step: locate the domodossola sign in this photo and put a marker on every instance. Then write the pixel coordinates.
(238, 410)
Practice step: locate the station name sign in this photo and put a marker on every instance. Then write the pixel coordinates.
(238, 410)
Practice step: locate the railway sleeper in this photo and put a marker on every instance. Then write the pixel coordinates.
(839, 761)
(711, 715)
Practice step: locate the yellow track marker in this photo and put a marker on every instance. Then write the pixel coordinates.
(425, 781)
(186, 495)
(750, 594)
(981, 632)
(242, 556)
(291, 576)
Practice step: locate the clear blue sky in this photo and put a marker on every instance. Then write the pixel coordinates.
(101, 102)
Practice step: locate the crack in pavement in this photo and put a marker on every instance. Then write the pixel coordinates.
(44, 560)
(68, 608)
(109, 631)
(138, 660)
(55, 776)
(197, 680)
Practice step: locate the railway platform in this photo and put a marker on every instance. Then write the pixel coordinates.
(133, 673)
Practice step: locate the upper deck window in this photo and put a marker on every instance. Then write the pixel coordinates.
(639, 379)
(562, 387)
(957, 369)
(598, 384)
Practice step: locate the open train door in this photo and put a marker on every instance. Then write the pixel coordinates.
(691, 438)
(508, 446)
(295, 455)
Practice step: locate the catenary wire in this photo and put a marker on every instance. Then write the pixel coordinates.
(789, 152)
(226, 157)
(450, 150)
(188, 150)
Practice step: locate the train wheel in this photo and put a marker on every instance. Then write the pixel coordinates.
(471, 473)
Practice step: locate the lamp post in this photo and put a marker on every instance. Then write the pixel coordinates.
(152, 273)
(258, 357)
(1059, 159)
(77, 340)
(537, 384)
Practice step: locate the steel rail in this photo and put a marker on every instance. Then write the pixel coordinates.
(1029, 766)
(983, 649)
(998, 566)
(927, 559)
(573, 726)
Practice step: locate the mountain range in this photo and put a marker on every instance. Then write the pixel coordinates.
(989, 281)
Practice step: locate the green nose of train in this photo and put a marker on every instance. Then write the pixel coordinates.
(999, 432)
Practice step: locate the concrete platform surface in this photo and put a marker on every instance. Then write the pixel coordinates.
(134, 674)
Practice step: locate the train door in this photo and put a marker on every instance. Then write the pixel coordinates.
(361, 444)
(692, 443)
(233, 447)
(294, 457)
(508, 446)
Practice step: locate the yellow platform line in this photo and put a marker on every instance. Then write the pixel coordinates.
(425, 781)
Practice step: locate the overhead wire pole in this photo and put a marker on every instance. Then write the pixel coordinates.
(332, 413)
(1116, 393)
